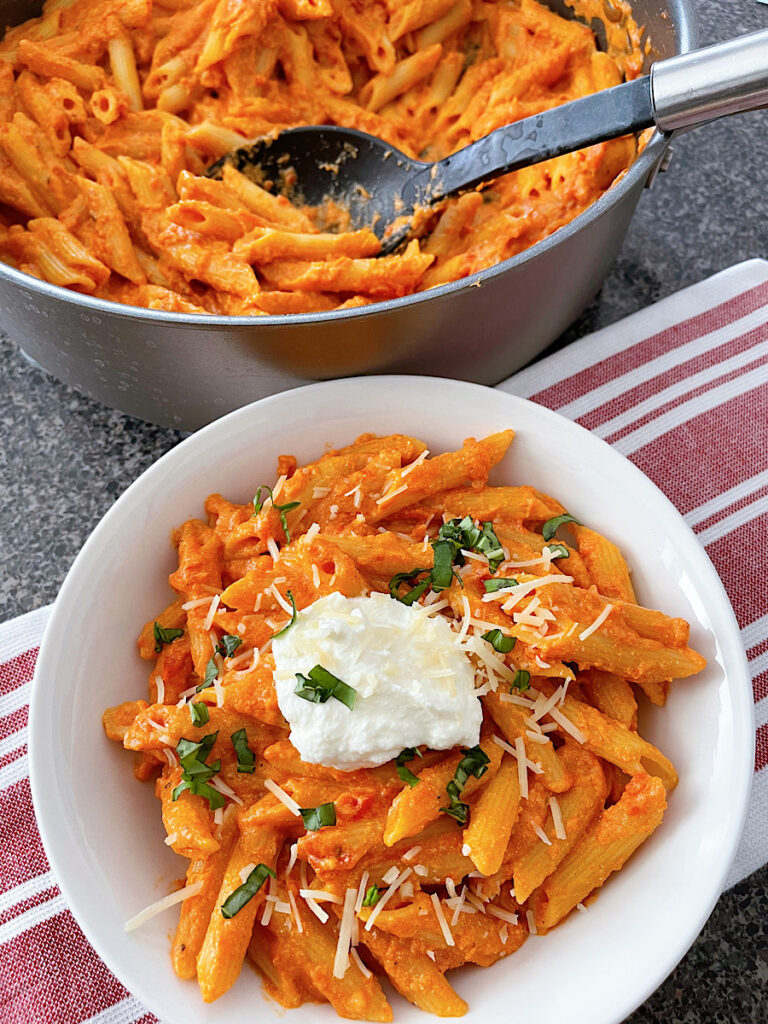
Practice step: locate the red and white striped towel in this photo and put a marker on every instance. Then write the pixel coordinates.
(680, 388)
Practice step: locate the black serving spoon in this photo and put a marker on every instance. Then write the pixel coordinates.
(381, 187)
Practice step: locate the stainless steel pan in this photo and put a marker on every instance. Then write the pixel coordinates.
(184, 370)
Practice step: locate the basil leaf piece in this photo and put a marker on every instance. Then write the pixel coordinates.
(315, 818)
(244, 893)
(550, 528)
(442, 572)
(522, 680)
(320, 685)
(489, 545)
(211, 673)
(164, 636)
(401, 578)
(199, 713)
(196, 774)
(405, 773)
(372, 896)
(499, 641)
(258, 504)
(558, 551)
(246, 758)
(228, 645)
(474, 762)
(499, 583)
(294, 616)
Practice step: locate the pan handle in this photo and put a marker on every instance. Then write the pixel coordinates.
(727, 78)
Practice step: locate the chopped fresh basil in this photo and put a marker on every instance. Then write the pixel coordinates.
(372, 896)
(196, 774)
(244, 893)
(246, 759)
(165, 636)
(489, 545)
(522, 680)
(550, 528)
(405, 773)
(559, 551)
(416, 590)
(228, 645)
(258, 504)
(474, 762)
(199, 713)
(211, 673)
(442, 571)
(294, 616)
(499, 641)
(499, 583)
(321, 684)
(317, 817)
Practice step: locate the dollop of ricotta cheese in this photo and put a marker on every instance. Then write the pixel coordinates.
(414, 685)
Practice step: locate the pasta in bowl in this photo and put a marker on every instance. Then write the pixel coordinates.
(110, 877)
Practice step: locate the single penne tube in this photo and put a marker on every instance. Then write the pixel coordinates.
(123, 63)
(497, 503)
(385, 277)
(196, 912)
(213, 139)
(454, 19)
(613, 741)
(274, 208)
(605, 563)
(226, 939)
(492, 817)
(453, 224)
(604, 849)
(577, 809)
(44, 60)
(415, 976)
(611, 695)
(206, 219)
(414, 14)
(471, 463)
(387, 86)
(262, 245)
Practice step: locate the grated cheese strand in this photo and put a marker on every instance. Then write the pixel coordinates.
(282, 796)
(557, 818)
(387, 897)
(440, 913)
(341, 960)
(160, 905)
(597, 623)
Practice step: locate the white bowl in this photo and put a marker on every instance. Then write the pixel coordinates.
(102, 829)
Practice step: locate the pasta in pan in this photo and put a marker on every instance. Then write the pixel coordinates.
(316, 847)
(111, 112)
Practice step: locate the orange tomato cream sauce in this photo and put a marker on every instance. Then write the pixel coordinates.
(110, 113)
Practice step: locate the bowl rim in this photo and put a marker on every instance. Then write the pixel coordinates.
(686, 37)
(728, 636)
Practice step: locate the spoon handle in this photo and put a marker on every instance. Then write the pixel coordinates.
(681, 92)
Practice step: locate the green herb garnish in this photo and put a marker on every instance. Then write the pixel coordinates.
(211, 673)
(474, 762)
(244, 893)
(372, 896)
(550, 528)
(405, 773)
(321, 684)
(442, 571)
(318, 817)
(246, 759)
(522, 680)
(417, 589)
(196, 774)
(165, 636)
(199, 713)
(499, 641)
(499, 583)
(489, 545)
(228, 645)
(294, 616)
(258, 504)
(559, 551)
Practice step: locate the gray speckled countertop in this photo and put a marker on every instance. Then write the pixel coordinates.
(64, 459)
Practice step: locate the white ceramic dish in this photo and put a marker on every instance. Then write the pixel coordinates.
(102, 829)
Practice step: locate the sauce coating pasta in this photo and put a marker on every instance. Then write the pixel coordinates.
(110, 113)
(437, 857)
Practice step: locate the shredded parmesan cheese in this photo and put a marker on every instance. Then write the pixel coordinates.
(311, 533)
(292, 857)
(281, 600)
(392, 494)
(389, 877)
(361, 890)
(282, 796)
(321, 492)
(439, 912)
(416, 462)
(503, 915)
(273, 550)
(266, 917)
(171, 838)
(160, 905)
(522, 768)
(341, 960)
(597, 623)
(410, 854)
(315, 576)
(359, 963)
(557, 818)
(321, 895)
(295, 909)
(542, 835)
(318, 911)
(196, 604)
(387, 897)
(567, 725)
(211, 612)
(531, 922)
